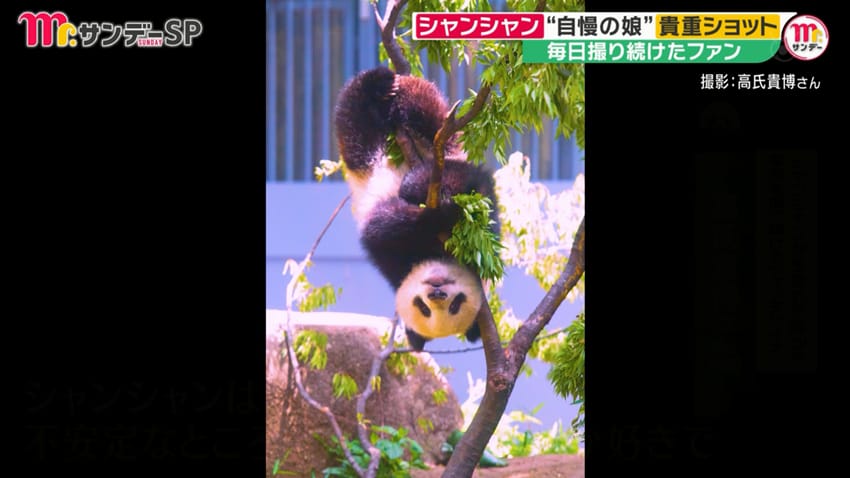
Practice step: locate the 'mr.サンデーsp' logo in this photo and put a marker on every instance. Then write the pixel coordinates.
(805, 37)
(45, 29)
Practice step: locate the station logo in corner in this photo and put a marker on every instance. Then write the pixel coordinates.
(805, 37)
(43, 29)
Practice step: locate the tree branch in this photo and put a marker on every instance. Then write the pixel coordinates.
(493, 353)
(362, 429)
(468, 451)
(387, 25)
(464, 350)
(309, 256)
(451, 125)
(289, 338)
(296, 369)
(541, 316)
(502, 372)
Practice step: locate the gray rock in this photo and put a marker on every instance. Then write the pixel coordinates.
(353, 341)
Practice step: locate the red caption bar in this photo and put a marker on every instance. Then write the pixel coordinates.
(477, 26)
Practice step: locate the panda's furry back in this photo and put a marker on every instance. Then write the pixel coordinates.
(399, 235)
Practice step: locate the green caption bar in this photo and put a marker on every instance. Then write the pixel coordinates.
(648, 51)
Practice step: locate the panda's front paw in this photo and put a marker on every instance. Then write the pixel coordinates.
(394, 88)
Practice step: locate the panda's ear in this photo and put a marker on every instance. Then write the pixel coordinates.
(416, 341)
(473, 333)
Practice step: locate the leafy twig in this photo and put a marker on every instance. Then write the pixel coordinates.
(296, 372)
(362, 429)
(289, 337)
(452, 125)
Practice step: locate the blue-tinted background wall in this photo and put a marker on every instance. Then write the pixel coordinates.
(313, 48)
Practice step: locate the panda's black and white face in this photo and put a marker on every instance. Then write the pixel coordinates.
(438, 299)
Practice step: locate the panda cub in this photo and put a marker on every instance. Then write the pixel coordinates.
(435, 296)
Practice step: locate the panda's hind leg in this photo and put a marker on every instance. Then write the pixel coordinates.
(362, 117)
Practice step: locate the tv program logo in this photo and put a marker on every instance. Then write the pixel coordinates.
(46, 30)
(805, 37)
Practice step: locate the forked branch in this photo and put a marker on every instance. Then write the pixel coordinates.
(503, 371)
(451, 125)
(289, 336)
(387, 24)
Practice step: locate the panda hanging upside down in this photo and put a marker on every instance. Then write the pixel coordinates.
(435, 296)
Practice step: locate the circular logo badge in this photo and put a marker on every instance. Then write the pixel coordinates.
(805, 37)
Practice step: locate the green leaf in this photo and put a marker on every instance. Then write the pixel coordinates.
(310, 348)
(393, 451)
(385, 429)
(344, 386)
(567, 372)
(393, 150)
(318, 297)
(537, 408)
(472, 239)
(401, 364)
(376, 383)
(425, 424)
(416, 448)
(440, 397)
